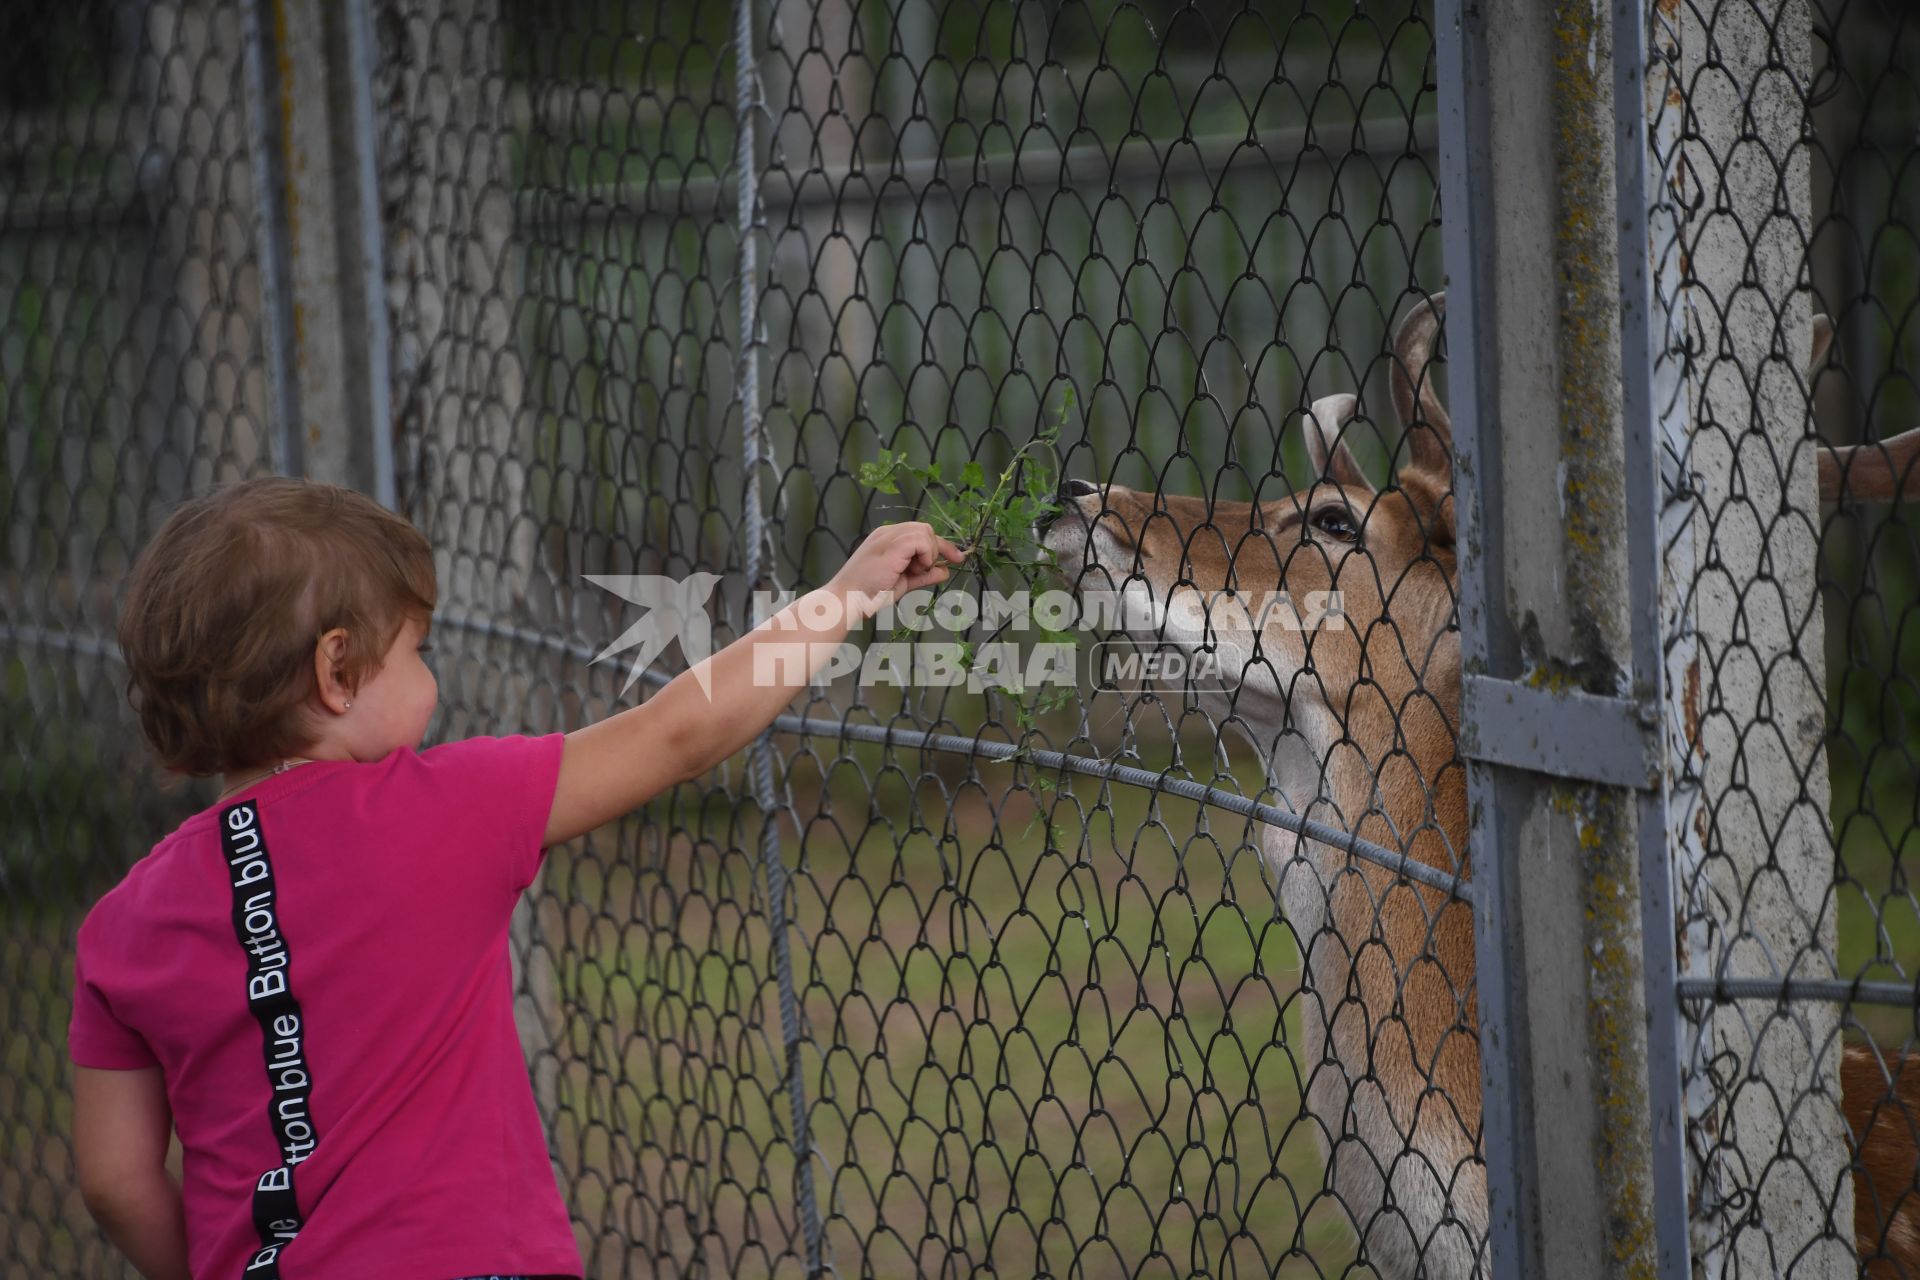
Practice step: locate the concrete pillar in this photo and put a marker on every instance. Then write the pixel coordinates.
(315, 72)
(455, 275)
(1768, 1136)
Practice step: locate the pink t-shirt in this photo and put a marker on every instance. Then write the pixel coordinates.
(337, 1014)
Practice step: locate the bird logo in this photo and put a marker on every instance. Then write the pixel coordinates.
(676, 608)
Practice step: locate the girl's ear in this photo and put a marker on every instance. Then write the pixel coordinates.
(329, 654)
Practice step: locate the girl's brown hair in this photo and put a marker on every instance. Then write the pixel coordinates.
(226, 603)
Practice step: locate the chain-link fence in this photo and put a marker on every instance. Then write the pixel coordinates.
(131, 375)
(1175, 976)
(1785, 149)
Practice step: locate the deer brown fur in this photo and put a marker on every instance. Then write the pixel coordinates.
(1356, 725)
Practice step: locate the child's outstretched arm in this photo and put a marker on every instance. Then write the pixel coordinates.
(618, 764)
(121, 1127)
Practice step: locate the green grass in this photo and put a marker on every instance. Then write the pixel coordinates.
(1050, 1060)
(1045, 1057)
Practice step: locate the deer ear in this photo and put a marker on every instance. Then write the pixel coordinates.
(1429, 428)
(1326, 440)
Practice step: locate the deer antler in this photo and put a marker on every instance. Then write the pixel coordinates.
(1429, 428)
(1883, 471)
(1878, 471)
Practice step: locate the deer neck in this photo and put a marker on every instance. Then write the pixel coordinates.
(1377, 759)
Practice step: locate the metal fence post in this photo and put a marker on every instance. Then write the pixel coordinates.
(309, 75)
(1546, 587)
(760, 765)
(267, 171)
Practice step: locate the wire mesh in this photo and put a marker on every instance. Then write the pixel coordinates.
(938, 979)
(130, 376)
(1035, 1024)
(1785, 133)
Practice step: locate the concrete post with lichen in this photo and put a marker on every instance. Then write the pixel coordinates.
(1767, 1139)
(1535, 359)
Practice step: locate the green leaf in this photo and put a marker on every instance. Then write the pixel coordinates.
(1051, 433)
(973, 476)
(878, 474)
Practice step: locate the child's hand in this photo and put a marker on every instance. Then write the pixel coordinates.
(894, 559)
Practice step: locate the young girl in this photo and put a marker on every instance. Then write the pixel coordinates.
(309, 981)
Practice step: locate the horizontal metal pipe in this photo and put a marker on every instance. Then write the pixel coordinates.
(873, 182)
(954, 744)
(1827, 990)
(1145, 779)
(77, 210)
(951, 744)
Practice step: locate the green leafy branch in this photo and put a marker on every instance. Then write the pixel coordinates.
(995, 524)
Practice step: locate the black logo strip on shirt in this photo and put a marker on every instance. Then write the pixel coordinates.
(256, 923)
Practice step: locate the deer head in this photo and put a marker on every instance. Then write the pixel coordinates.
(1361, 636)
(1375, 676)
(1349, 693)
(1358, 715)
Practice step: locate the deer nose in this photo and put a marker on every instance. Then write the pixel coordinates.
(1064, 501)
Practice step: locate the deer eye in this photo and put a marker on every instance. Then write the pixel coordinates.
(1336, 522)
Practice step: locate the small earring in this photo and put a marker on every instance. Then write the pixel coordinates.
(349, 704)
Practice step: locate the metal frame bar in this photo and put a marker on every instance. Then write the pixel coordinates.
(1506, 170)
(267, 168)
(312, 139)
(1563, 733)
(1641, 348)
(1465, 151)
(373, 252)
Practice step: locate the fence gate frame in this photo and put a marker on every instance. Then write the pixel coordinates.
(1579, 624)
(1550, 316)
